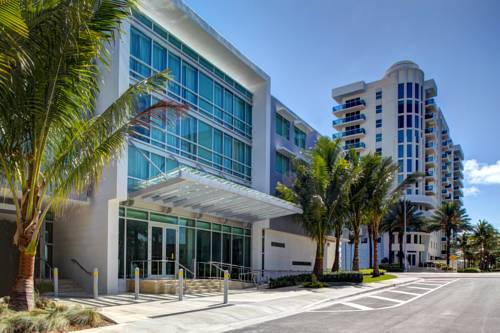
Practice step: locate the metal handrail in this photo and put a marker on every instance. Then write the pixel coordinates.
(47, 265)
(74, 261)
(143, 272)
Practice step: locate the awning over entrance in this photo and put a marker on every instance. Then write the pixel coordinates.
(188, 188)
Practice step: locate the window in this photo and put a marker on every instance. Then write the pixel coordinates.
(417, 121)
(282, 126)
(378, 123)
(401, 121)
(409, 106)
(378, 151)
(417, 103)
(417, 91)
(408, 239)
(378, 109)
(400, 151)
(401, 136)
(401, 90)
(140, 50)
(408, 120)
(401, 106)
(159, 57)
(416, 161)
(299, 138)
(190, 80)
(409, 90)
(400, 178)
(409, 150)
(282, 165)
(378, 94)
(409, 165)
(409, 135)
(378, 137)
(401, 165)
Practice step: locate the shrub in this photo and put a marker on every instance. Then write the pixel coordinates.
(369, 271)
(391, 267)
(355, 277)
(315, 283)
(470, 270)
(80, 316)
(288, 280)
(385, 260)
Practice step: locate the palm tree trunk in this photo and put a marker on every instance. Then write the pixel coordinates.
(355, 259)
(400, 254)
(370, 242)
(22, 296)
(376, 271)
(318, 262)
(391, 256)
(336, 260)
(448, 242)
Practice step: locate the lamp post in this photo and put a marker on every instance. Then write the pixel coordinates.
(404, 233)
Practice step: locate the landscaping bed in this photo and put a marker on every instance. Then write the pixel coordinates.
(49, 317)
(311, 281)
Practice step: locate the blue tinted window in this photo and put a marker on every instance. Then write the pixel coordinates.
(401, 165)
(378, 123)
(409, 135)
(378, 109)
(378, 137)
(401, 121)
(401, 106)
(417, 121)
(417, 91)
(409, 106)
(401, 136)
(400, 151)
(409, 151)
(159, 57)
(409, 165)
(409, 90)
(408, 120)
(401, 90)
(378, 151)
(378, 95)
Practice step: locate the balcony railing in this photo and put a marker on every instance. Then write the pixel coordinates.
(348, 119)
(430, 144)
(429, 159)
(430, 101)
(349, 133)
(429, 116)
(429, 173)
(356, 145)
(349, 105)
(429, 188)
(430, 130)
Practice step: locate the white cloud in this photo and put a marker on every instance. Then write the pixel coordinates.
(482, 173)
(471, 191)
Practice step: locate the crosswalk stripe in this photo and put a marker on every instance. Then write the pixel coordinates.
(403, 292)
(386, 299)
(421, 288)
(357, 306)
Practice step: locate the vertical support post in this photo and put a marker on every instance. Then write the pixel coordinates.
(181, 284)
(226, 286)
(195, 266)
(95, 276)
(56, 282)
(136, 289)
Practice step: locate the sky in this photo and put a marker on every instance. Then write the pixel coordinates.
(309, 47)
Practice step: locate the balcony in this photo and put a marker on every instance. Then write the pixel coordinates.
(357, 146)
(430, 132)
(458, 193)
(430, 104)
(353, 120)
(429, 190)
(430, 146)
(429, 173)
(444, 133)
(357, 132)
(355, 105)
(429, 160)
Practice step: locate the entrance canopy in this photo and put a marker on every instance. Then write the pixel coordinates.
(191, 189)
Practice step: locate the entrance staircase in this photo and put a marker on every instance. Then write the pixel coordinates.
(170, 286)
(67, 288)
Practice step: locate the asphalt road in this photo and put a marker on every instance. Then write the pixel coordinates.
(441, 305)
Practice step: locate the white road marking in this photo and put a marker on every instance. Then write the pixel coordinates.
(387, 299)
(432, 283)
(402, 292)
(357, 306)
(360, 307)
(421, 288)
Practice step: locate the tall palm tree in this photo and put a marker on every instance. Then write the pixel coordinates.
(484, 237)
(319, 188)
(451, 218)
(463, 242)
(53, 141)
(393, 221)
(381, 194)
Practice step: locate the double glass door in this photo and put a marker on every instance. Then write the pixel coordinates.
(163, 250)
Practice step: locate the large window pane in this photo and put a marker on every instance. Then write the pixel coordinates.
(121, 250)
(216, 246)
(226, 248)
(137, 246)
(206, 87)
(237, 250)
(247, 252)
(159, 57)
(140, 48)
(205, 135)
(203, 246)
(186, 246)
(138, 165)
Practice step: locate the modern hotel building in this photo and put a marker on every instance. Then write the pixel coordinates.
(398, 116)
(194, 190)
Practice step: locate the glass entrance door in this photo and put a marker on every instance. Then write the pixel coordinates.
(163, 250)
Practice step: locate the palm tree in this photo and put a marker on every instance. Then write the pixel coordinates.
(451, 218)
(394, 222)
(319, 188)
(381, 194)
(484, 237)
(53, 140)
(463, 242)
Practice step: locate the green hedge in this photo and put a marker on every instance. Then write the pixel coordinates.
(391, 267)
(470, 270)
(355, 277)
(293, 280)
(369, 271)
(289, 280)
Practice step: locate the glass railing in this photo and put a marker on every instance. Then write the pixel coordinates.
(444, 132)
(429, 116)
(429, 188)
(348, 133)
(429, 173)
(349, 105)
(429, 159)
(430, 130)
(354, 145)
(429, 144)
(348, 119)
(430, 101)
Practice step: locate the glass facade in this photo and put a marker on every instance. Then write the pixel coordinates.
(282, 126)
(198, 241)
(217, 130)
(282, 164)
(299, 138)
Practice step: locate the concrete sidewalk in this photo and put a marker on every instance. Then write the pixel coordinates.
(208, 314)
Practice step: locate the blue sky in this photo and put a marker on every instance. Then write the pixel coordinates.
(309, 47)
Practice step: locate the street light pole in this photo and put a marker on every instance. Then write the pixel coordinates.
(404, 233)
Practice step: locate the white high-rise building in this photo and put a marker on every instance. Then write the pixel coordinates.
(397, 116)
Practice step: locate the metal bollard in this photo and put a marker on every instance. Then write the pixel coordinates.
(56, 282)
(95, 276)
(226, 286)
(181, 284)
(136, 283)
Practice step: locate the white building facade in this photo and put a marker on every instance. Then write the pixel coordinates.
(398, 117)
